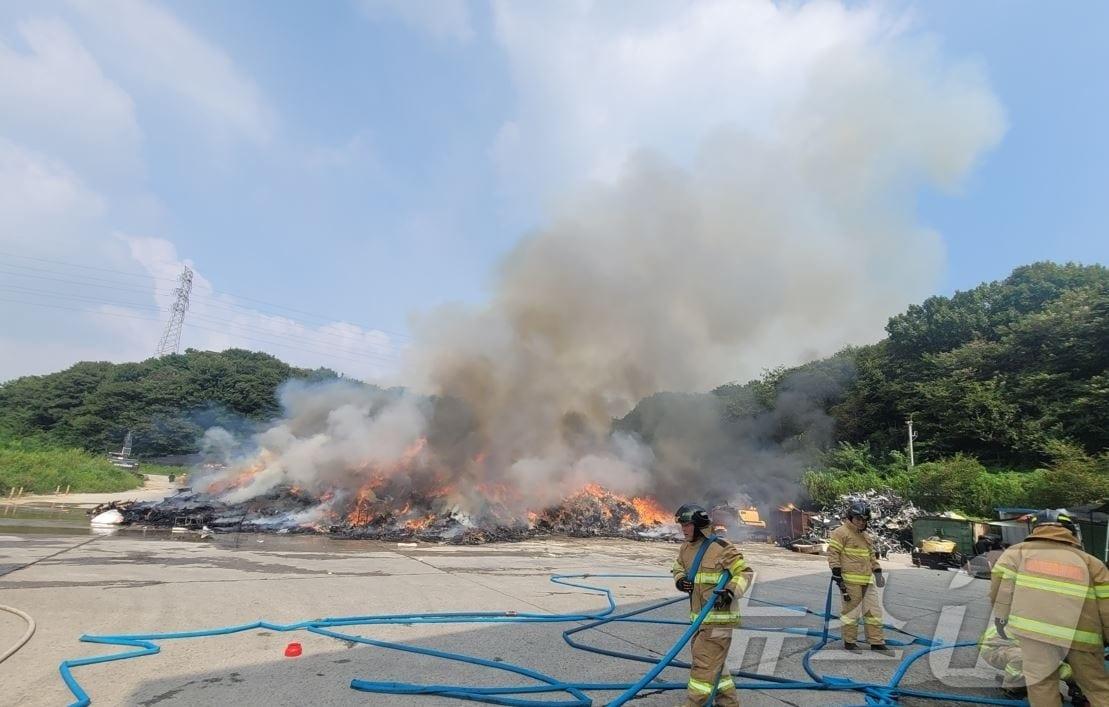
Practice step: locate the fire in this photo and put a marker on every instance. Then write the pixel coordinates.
(615, 509)
(650, 511)
(415, 524)
(596, 490)
(243, 477)
(415, 495)
(362, 512)
(367, 502)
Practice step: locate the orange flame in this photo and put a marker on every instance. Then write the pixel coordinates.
(596, 490)
(419, 523)
(650, 511)
(362, 513)
(242, 478)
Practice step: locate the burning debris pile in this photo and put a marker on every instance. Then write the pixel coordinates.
(593, 511)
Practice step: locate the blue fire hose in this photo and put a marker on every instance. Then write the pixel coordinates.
(874, 694)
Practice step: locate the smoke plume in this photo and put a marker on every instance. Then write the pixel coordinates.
(783, 236)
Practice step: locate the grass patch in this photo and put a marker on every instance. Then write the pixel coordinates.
(40, 469)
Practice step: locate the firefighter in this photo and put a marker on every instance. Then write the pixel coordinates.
(710, 644)
(855, 567)
(1054, 598)
(1004, 654)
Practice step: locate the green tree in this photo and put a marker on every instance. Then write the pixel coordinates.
(955, 483)
(1073, 478)
(165, 401)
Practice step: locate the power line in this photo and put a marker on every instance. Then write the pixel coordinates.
(360, 358)
(29, 291)
(206, 301)
(287, 339)
(88, 267)
(123, 288)
(113, 280)
(79, 309)
(105, 283)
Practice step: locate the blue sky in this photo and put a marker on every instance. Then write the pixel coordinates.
(363, 162)
(1041, 195)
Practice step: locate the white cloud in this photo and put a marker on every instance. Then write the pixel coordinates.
(442, 19)
(596, 85)
(42, 201)
(155, 46)
(56, 97)
(65, 127)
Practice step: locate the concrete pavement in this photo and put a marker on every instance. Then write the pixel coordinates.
(127, 584)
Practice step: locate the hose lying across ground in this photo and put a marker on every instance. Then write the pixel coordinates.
(875, 694)
(26, 635)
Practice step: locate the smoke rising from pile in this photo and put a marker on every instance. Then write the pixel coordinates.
(780, 239)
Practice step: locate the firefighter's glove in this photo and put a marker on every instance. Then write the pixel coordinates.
(837, 577)
(879, 578)
(1074, 692)
(1000, 625)
(684, 585)
(724, 599)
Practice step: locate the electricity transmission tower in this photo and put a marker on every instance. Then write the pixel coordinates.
(171, 337)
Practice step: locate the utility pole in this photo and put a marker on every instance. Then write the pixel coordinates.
(912, 436)
(171, 337)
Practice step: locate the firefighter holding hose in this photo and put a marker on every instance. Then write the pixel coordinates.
(709, 646)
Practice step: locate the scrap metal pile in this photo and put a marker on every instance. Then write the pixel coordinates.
(891, 522)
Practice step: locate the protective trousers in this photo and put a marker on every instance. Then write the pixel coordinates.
(1006, 657)
(1041, 671)
(710, 648)
(1009, 660)
(866, 605)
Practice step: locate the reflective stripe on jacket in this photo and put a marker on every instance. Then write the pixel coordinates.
(1049, 590)
(853, 552)
(719, 556)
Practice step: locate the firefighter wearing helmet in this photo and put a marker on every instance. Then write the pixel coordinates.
(709, 675)
(854, 564)
(1054, 598)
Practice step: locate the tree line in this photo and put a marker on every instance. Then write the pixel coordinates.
(166, 402)
(1007, 384)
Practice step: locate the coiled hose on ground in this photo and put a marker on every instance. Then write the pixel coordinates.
(873, 694)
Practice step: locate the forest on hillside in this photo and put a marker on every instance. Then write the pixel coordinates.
(167, 403)
(1007, 385)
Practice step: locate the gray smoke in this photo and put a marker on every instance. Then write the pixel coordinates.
(764, 251)
(776, 243)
